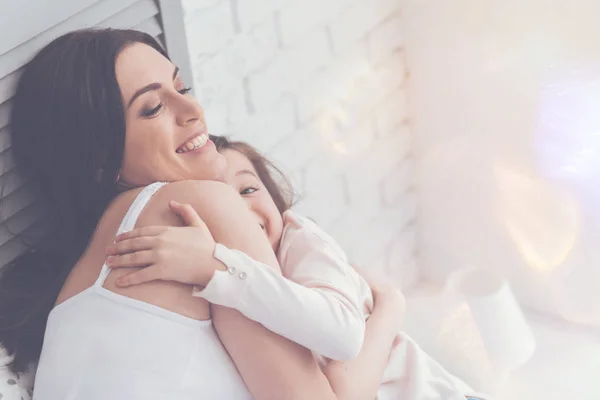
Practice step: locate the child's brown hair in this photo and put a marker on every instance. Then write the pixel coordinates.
(281, 190)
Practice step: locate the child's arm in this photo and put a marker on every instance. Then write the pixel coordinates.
(318, 317)
(361, 377)
(319, 309)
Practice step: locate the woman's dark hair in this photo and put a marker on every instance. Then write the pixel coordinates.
(280, 189)
(68, 138)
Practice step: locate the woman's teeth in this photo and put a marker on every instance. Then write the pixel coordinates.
(193, 144)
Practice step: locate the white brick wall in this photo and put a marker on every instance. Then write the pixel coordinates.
(319, 86)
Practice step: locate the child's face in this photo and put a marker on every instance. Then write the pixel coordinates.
(240, 174)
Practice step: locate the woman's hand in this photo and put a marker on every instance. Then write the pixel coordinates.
(181, 254)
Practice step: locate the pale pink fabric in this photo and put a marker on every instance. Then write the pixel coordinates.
(322, 303)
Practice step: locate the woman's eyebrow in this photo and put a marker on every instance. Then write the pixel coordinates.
(147, 88)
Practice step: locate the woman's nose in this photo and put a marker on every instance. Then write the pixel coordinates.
(189, 110)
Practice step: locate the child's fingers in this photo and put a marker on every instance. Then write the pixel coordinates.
(137, 259)
(131, 245)
(135, 278)
(187, 213)
(139, 232)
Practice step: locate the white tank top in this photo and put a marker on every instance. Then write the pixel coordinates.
(100, 345)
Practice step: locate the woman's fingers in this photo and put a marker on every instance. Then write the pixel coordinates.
(135, 278)
(187, 213)
(131, 245)
(137, 259)
(139, 232)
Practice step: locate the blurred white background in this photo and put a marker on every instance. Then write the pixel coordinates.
(504, 98)
(506, 137)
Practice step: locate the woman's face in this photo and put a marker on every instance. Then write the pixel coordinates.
(166, 135)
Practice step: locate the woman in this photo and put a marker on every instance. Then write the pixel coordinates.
(98, 116)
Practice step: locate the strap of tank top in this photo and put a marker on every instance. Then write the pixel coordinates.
(130, 219)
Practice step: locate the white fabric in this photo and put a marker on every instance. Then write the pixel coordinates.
(14, 385)
(100, 345)
(321, 302)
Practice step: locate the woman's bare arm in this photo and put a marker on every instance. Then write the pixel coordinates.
(272, 367)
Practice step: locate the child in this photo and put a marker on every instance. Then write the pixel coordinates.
(320, 302)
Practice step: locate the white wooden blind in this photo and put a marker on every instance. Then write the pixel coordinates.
(26, 27)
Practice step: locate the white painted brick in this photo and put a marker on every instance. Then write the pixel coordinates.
(291, 67)
(325, 203)
(403, 246)
(299, 18)
(355, 22)
(218, 93)
(375, 163)
(397, 181)
(375, 235)
(307, 56)
(216, 119)
(386, 39)
(383, 81)
(365, 201)
(296, 179)
(325, 164)
(190, 6)
(216, 71)
(392, 112)
(298, 149)
(254, 49)
(267, 85)
(294, 21)
(237, 111)
(266, 129)
(390, 221)
(344, 138)
(379, 234)
(209, 29)
(218, 110)
(401, 264)
(279, 4)
(366, 247)
(252, 12)
(337, 82)
(213, 84)
(348, 228)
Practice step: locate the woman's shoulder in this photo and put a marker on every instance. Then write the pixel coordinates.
(193, 191)
(202, 195)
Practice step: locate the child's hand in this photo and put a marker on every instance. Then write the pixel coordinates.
(385, 295)
(181, 254)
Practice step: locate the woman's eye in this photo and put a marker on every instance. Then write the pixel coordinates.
(152, 111)
(185, 90)
(248, 190)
